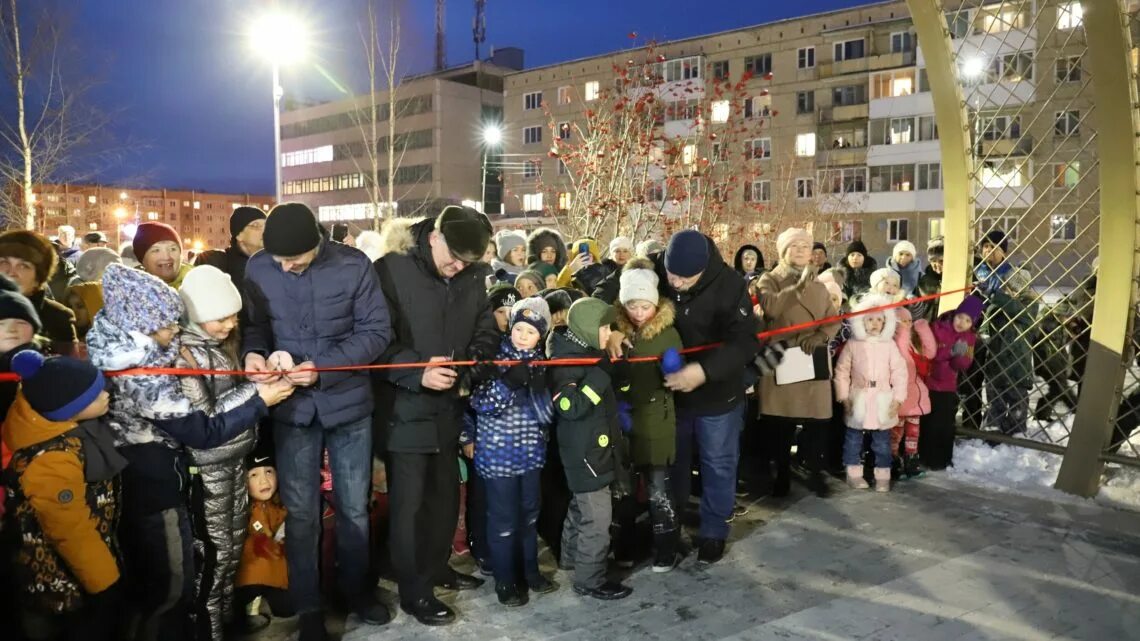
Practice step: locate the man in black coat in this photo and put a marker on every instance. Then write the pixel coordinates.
(247, 226)
(712, 306)
(440, 313)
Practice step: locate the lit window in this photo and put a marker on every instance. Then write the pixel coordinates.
(898, 229)
(689, 154)
(197, 204)
(564, 200)
(935, 227)
(720, 110)
(1070, 15)
(805, 188)
(1063, 228)
(93, 226)
(592, 90)
(758, 107)
(91, 200)
(805, 145)
(1066, 174)
(564, 131)
(996, 174)
(564, 95)
(532, 202)
(152, 215)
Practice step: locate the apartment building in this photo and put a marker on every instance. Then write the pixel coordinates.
(438, 146)
(849, 120)
(201, 218)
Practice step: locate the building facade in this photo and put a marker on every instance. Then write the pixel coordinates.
(201, 218)
(437, 149)
(849, 120)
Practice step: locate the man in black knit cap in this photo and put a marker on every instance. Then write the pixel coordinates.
(312, 303)
(247, 224)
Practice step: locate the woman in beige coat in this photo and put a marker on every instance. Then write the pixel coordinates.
(790, 295)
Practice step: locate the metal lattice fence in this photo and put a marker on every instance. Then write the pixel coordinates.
(1037, 212)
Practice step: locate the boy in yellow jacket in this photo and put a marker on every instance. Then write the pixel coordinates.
(64, 469)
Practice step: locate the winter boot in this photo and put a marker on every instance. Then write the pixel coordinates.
(912, 467)
(882, 479)
(665, 556)
(855, 477)
(459, 540)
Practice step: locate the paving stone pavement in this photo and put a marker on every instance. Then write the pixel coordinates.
(934, 560)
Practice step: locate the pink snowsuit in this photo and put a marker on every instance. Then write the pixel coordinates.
(871, 373)
(917, 401)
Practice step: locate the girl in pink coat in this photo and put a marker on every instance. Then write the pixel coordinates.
(916, 343)
(954, 335)
(871, 383)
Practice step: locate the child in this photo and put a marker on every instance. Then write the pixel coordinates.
(85, 297)
(65, 498)
(510, 252)
(263, 572)
(588, 432)
(209, 341)
(560, 301)
(647, 320)
(529, 283)
(955, 337)
(916, 344)
(503, 297)
(886, 281)
(19, 324)
(870, 382)
(152, 420)
(512, 413)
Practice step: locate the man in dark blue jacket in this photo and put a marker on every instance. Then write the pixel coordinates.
(440, 312)
(320, 303)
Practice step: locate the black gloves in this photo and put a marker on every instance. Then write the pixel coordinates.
(483, 369)
(517, 375)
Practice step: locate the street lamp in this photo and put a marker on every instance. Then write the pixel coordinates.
(492, 136)
(280, 38)
(120, 215)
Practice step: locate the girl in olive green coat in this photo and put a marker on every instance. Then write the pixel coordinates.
(647, 320)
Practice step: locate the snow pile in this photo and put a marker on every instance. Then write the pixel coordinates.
(1033, 473)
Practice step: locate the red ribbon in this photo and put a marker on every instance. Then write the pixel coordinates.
(564, 362)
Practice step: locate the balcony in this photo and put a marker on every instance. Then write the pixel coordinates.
(1022, 146)
(891, 60)
(841, 157)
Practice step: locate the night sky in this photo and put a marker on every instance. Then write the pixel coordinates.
(195, 103)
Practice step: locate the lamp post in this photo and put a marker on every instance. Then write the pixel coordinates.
(280, 39)
(120, 214)
(492, 136)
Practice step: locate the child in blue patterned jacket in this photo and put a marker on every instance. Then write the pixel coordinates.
(512, 415)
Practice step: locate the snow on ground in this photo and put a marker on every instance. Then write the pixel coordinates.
(1030, 472)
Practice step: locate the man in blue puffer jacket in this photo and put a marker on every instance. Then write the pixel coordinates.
(319, 302)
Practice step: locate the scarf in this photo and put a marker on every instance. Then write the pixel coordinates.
(102, 460)
(908, 275)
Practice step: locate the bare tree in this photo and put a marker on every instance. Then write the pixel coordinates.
(56, 133)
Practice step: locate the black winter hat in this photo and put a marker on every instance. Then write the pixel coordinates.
(818, 245)
(13, 304)
(857, 247)
(687, 254)
(559, 300)
(242, 217)
(503, 295)
(59, 387)
(263, 454)
(291, 229)
(466, 232)
(997, 237)
(936, 248)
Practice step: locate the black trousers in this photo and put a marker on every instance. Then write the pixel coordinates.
(423, 501)
(936, 440)
(813, 443)
(556, 497)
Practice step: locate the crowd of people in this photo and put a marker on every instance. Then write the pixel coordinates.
(522, 388)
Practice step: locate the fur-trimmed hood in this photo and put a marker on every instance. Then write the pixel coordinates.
(738, 262)
(891, 321)
(666, 314)
(542, 237)
(397, 237)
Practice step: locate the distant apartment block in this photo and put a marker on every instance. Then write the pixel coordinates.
(201, 218)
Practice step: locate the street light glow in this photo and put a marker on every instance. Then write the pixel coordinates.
(122, 195)
(120, 213)
(973, 67)
(279, 37)
(492, 135)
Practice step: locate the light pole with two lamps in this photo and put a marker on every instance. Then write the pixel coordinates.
(280, 38)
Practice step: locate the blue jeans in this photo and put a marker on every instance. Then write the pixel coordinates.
(299, 484)
(512, 512)
(880, 446)
(718, 442)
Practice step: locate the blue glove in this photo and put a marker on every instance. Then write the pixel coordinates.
(671, 362)
(625, 416)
